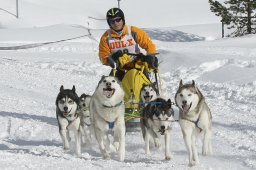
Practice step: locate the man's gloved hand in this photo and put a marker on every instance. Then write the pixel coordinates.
(151, 60)
(116, 55)
(111, 62)
(113, 59)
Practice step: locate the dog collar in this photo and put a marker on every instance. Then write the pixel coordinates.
(195, 122)
(85, 109)
(70, 118)
(111, 125)
(118, 104)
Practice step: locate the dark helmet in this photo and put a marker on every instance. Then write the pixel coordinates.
(113, 13)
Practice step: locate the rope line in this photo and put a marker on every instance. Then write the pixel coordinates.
(134, 116)
(27, 46)
(103, 19)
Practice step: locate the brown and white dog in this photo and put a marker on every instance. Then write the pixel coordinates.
(107, 110)
(194, 118)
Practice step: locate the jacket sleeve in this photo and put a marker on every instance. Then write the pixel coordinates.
(104, 50)
(143, 40)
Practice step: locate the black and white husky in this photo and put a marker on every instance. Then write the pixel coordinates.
(148, 93)
(85, 117)
(195, 118)
(107, 110)
(156, 121)
(68, 119)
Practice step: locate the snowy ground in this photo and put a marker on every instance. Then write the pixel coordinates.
(224, 70)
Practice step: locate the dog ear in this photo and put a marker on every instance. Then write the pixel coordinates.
(154, 85)
(83, 95)
(61, 88)
(181, 84)
(74, 88)
(143, 85)
(193, 83)
(169, 103)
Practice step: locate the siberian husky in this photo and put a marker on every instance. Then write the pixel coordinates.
(85, 117)
(195, 118)
(107, 110)
(148, 93)
(156, 121)
(68, 119)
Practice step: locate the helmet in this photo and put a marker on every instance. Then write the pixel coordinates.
(113, 13)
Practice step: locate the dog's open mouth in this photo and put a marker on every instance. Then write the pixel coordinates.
(108, 92)
(148, 98)
(67, 113)
(186, 107)
(162, 131)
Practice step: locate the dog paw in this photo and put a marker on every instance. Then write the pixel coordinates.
(192, 163)
(168, 157)
(121, 158)
(116, 145)
(157, 144)
(78, 155)
(112, 148)
(205, 152)
(148, 153)
(66, 148)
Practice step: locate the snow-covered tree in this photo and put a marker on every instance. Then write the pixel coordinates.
(239, 15)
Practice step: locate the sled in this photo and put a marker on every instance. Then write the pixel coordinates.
(132, 83)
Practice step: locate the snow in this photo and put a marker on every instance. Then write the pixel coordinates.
(223, 69)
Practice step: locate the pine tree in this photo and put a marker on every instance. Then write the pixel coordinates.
(239, 15)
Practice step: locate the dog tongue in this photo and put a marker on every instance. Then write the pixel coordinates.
(186, 109)
(147, 98)
(108, 93)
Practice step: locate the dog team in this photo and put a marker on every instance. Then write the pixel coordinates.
(104, 111)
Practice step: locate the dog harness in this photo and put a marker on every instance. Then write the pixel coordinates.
(195, 122)
(111, 124)
(70, 121)
(118, 104)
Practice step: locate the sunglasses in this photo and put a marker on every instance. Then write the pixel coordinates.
(112, 21)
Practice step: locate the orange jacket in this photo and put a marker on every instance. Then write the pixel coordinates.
(140, 38)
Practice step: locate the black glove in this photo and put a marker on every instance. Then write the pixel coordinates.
(151, 60)
(114, 58)
(116, 55)
(111, 62)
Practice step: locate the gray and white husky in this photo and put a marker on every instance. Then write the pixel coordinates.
(194, 118)
(156, 121)
(68, 119)
(107, 110)
(85, 117)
